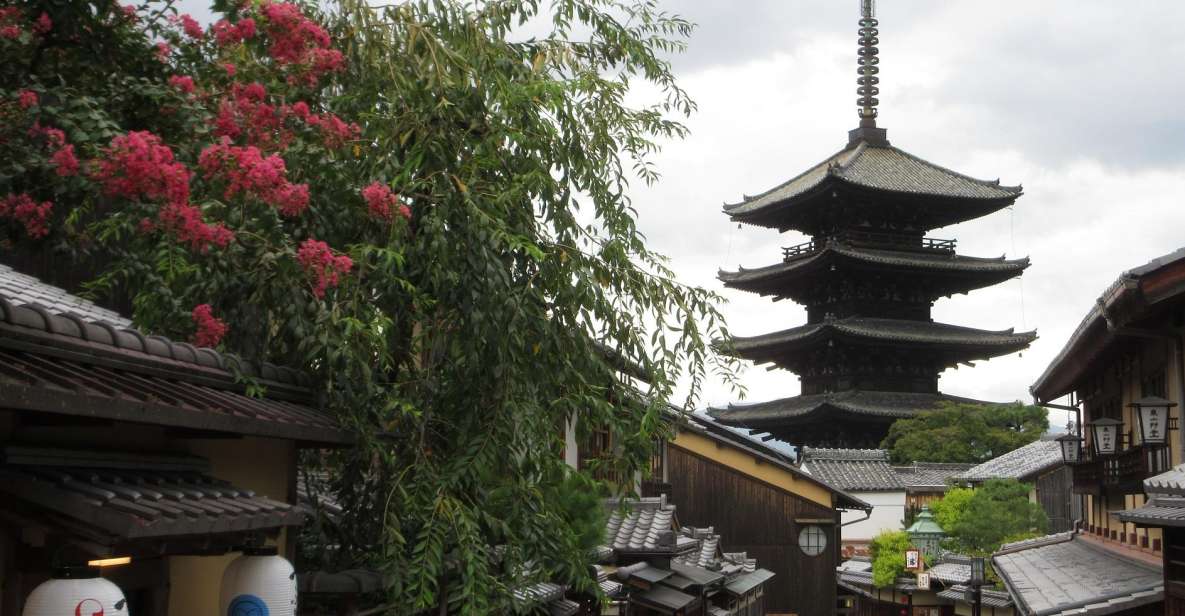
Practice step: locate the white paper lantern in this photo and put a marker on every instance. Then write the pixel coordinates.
(77, 590)
(258, 583)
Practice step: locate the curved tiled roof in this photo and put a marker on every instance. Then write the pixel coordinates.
(1171, 482)
(852, 469)
(1021, 463)
(890, 404)
(930, 474)
(765, 347)
(964, 273)
(23, 290)
(886, 169)
(54, 359)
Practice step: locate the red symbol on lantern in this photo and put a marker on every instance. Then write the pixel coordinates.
(91, 607)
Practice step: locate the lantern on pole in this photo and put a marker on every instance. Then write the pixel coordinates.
(258, 582)
(1071, 445)
(1105, 435)
(76, 590)
(1153, 415)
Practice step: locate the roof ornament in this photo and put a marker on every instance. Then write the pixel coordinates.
(868, 69)
(868, 62)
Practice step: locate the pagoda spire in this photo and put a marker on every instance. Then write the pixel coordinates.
(868, 61)
(868, 68)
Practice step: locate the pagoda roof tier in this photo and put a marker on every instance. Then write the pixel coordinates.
(877, 175)
(958, 343)
(947, 273)
(855, 404)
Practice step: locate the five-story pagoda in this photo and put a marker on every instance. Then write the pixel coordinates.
(870, 352)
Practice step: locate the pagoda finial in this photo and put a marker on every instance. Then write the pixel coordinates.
(868, 62)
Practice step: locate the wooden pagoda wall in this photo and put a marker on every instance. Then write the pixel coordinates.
(758, 518)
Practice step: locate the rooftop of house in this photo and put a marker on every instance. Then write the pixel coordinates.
(857, 470)
(1022, 463)
(62, 354)
(1065, 574)
(929, 476)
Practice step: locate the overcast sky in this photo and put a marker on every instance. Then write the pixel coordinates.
(1079, 101)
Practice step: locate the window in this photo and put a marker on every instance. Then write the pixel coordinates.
(812, 540)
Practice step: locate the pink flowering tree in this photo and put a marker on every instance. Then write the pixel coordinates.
(416, 205)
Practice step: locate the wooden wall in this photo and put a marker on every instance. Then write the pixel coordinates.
(755, 517)
(1055, 496)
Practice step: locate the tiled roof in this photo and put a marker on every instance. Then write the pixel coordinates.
(852, 469)
(646, 527)
(1158, 511)
(961, 273)
(1171, 481)
(123, 496)
(879, 168)
(22, 290)
(58, 362)
(1021, 463)
(767, 347)
(1064, 574)
(952, 570)
(855, 402)
(921, 475)
(988, 597)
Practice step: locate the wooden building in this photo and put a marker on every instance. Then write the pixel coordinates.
(1128, 348)
(762, 505)
(116, 443)
(869, 353)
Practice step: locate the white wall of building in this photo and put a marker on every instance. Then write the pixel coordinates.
(888, 510)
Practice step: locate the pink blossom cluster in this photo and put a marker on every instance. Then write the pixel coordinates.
(247, 171)
(10, 18)
(34, 216)
(184, 222)
(184, 83)
(226, 33)
(318, 261)
(139, 166)
(163, 51)
(27, 98)
(383, 203)
(334, 131)
(245, 114)
(298, 40)
(191, 27)
(63, 157)
(210, 329)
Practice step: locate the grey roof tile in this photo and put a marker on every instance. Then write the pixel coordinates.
(855, 402)
(922, 475)
(852, 469)
(1063, 574)
(20, 290)
(882, 330)
(932, 262)
(880, 168)
(1021, 463)
(1159, 511)
(988, 597)
(1171, 481)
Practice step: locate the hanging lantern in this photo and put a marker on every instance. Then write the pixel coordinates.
(1105, 435)
(76, 590)
(258, 583)
(1071, 448)
(1153, 414)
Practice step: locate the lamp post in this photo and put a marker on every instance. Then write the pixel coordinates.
(1071, 445)
(1105, 436)
(978, 578)
(1153, 415)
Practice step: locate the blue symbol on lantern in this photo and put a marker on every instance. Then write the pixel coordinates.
(246, 605)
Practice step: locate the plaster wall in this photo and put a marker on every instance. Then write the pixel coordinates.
(888, 510)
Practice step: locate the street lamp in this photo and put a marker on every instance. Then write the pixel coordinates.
(1105, 435)
(1153, 414)
(978, 579)
(1071, 445)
